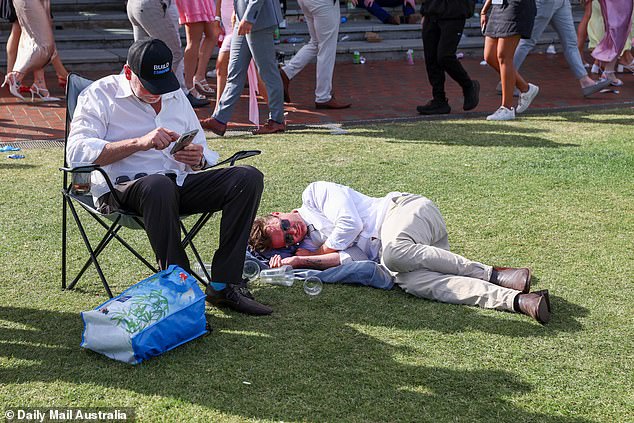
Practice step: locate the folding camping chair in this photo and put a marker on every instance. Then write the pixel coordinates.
(119, 218)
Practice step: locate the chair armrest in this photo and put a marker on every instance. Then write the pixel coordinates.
(90, 169)
(236, 156)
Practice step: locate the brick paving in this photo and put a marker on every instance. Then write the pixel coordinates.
(378, 91)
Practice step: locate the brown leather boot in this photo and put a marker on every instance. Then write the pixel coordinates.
(214, 126)
(518, 279)
(270, 127)
(285, 83)
(535, 305)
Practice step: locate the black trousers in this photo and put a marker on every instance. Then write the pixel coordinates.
(440, 41)
(235, 191)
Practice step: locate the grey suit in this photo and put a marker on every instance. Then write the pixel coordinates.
(265, 15)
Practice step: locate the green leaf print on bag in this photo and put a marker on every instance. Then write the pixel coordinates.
(142, 312)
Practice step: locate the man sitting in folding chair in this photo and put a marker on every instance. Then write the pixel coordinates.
(127, 124)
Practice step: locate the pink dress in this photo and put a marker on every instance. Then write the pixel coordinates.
(617, 18)
(190, 11)
(226, 10)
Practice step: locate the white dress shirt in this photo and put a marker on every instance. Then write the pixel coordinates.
(346, 217)
(108, 111)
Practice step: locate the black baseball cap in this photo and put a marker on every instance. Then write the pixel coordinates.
(151, 61)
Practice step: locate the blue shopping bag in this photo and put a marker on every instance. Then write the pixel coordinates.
(151, 317)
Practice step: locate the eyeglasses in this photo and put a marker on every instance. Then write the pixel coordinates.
(285, 225)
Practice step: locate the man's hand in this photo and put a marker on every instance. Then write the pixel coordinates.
(190, 155)
(411, 3)
(244, 28)
(278, 261)
(159, 139)
(367, 3)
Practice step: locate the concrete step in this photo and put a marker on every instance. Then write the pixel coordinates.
(112, 58)
(99, 38)
(86, 5)
(84, 20)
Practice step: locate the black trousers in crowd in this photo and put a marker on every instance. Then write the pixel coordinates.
(235, 191)
(440, 41)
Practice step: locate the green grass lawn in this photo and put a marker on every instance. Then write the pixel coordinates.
(555, 193)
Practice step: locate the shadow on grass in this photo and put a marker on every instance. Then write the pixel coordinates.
(471, 133)
(298, 368)
(15, 164)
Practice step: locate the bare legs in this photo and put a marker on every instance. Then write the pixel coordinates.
(498, 53)
(196, 56)
(222, 64)
(211, 32)
(582, 29)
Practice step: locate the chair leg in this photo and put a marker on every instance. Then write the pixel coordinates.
(90, 250)
(188, 239)
(126, 245)
(109, 236)
(64, 237)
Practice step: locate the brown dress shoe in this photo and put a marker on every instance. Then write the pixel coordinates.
(285, 82)
(332, 104)
(270, 127)
(535, 305)
(518, 279)
(214, 126)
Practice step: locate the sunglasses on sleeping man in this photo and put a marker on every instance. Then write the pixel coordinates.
(285, 225)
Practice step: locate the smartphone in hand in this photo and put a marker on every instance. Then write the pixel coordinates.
(183, 141)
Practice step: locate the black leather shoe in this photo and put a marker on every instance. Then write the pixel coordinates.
(471, 96)
(238, 299)
(434, 107)
(535, 305)
(196, 103)
(518, 279)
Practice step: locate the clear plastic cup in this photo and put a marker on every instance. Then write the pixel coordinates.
(251, 270)
(313, 286)
(278, 276)
(199, 270)
(80, 181)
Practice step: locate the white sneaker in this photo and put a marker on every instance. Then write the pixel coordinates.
(211, 73)
(498, 89)
(527, 98)
(502, 114)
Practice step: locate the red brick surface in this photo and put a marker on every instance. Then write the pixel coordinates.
(379, 90)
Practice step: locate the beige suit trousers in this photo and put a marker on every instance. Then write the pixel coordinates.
(416, 248)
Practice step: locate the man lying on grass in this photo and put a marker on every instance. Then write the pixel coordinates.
(404, 232)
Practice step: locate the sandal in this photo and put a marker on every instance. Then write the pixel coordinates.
(14, 85)
(196, 94)
(61, 80)
(203, 87)
(42, 93)
(614, 81)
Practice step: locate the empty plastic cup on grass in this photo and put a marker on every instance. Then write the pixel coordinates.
(313, 286)
(278, 276)
(199, 270)
(251, 270)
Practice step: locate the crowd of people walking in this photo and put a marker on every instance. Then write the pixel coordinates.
(245, 36)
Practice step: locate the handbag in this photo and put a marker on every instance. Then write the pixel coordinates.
(149, 318)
